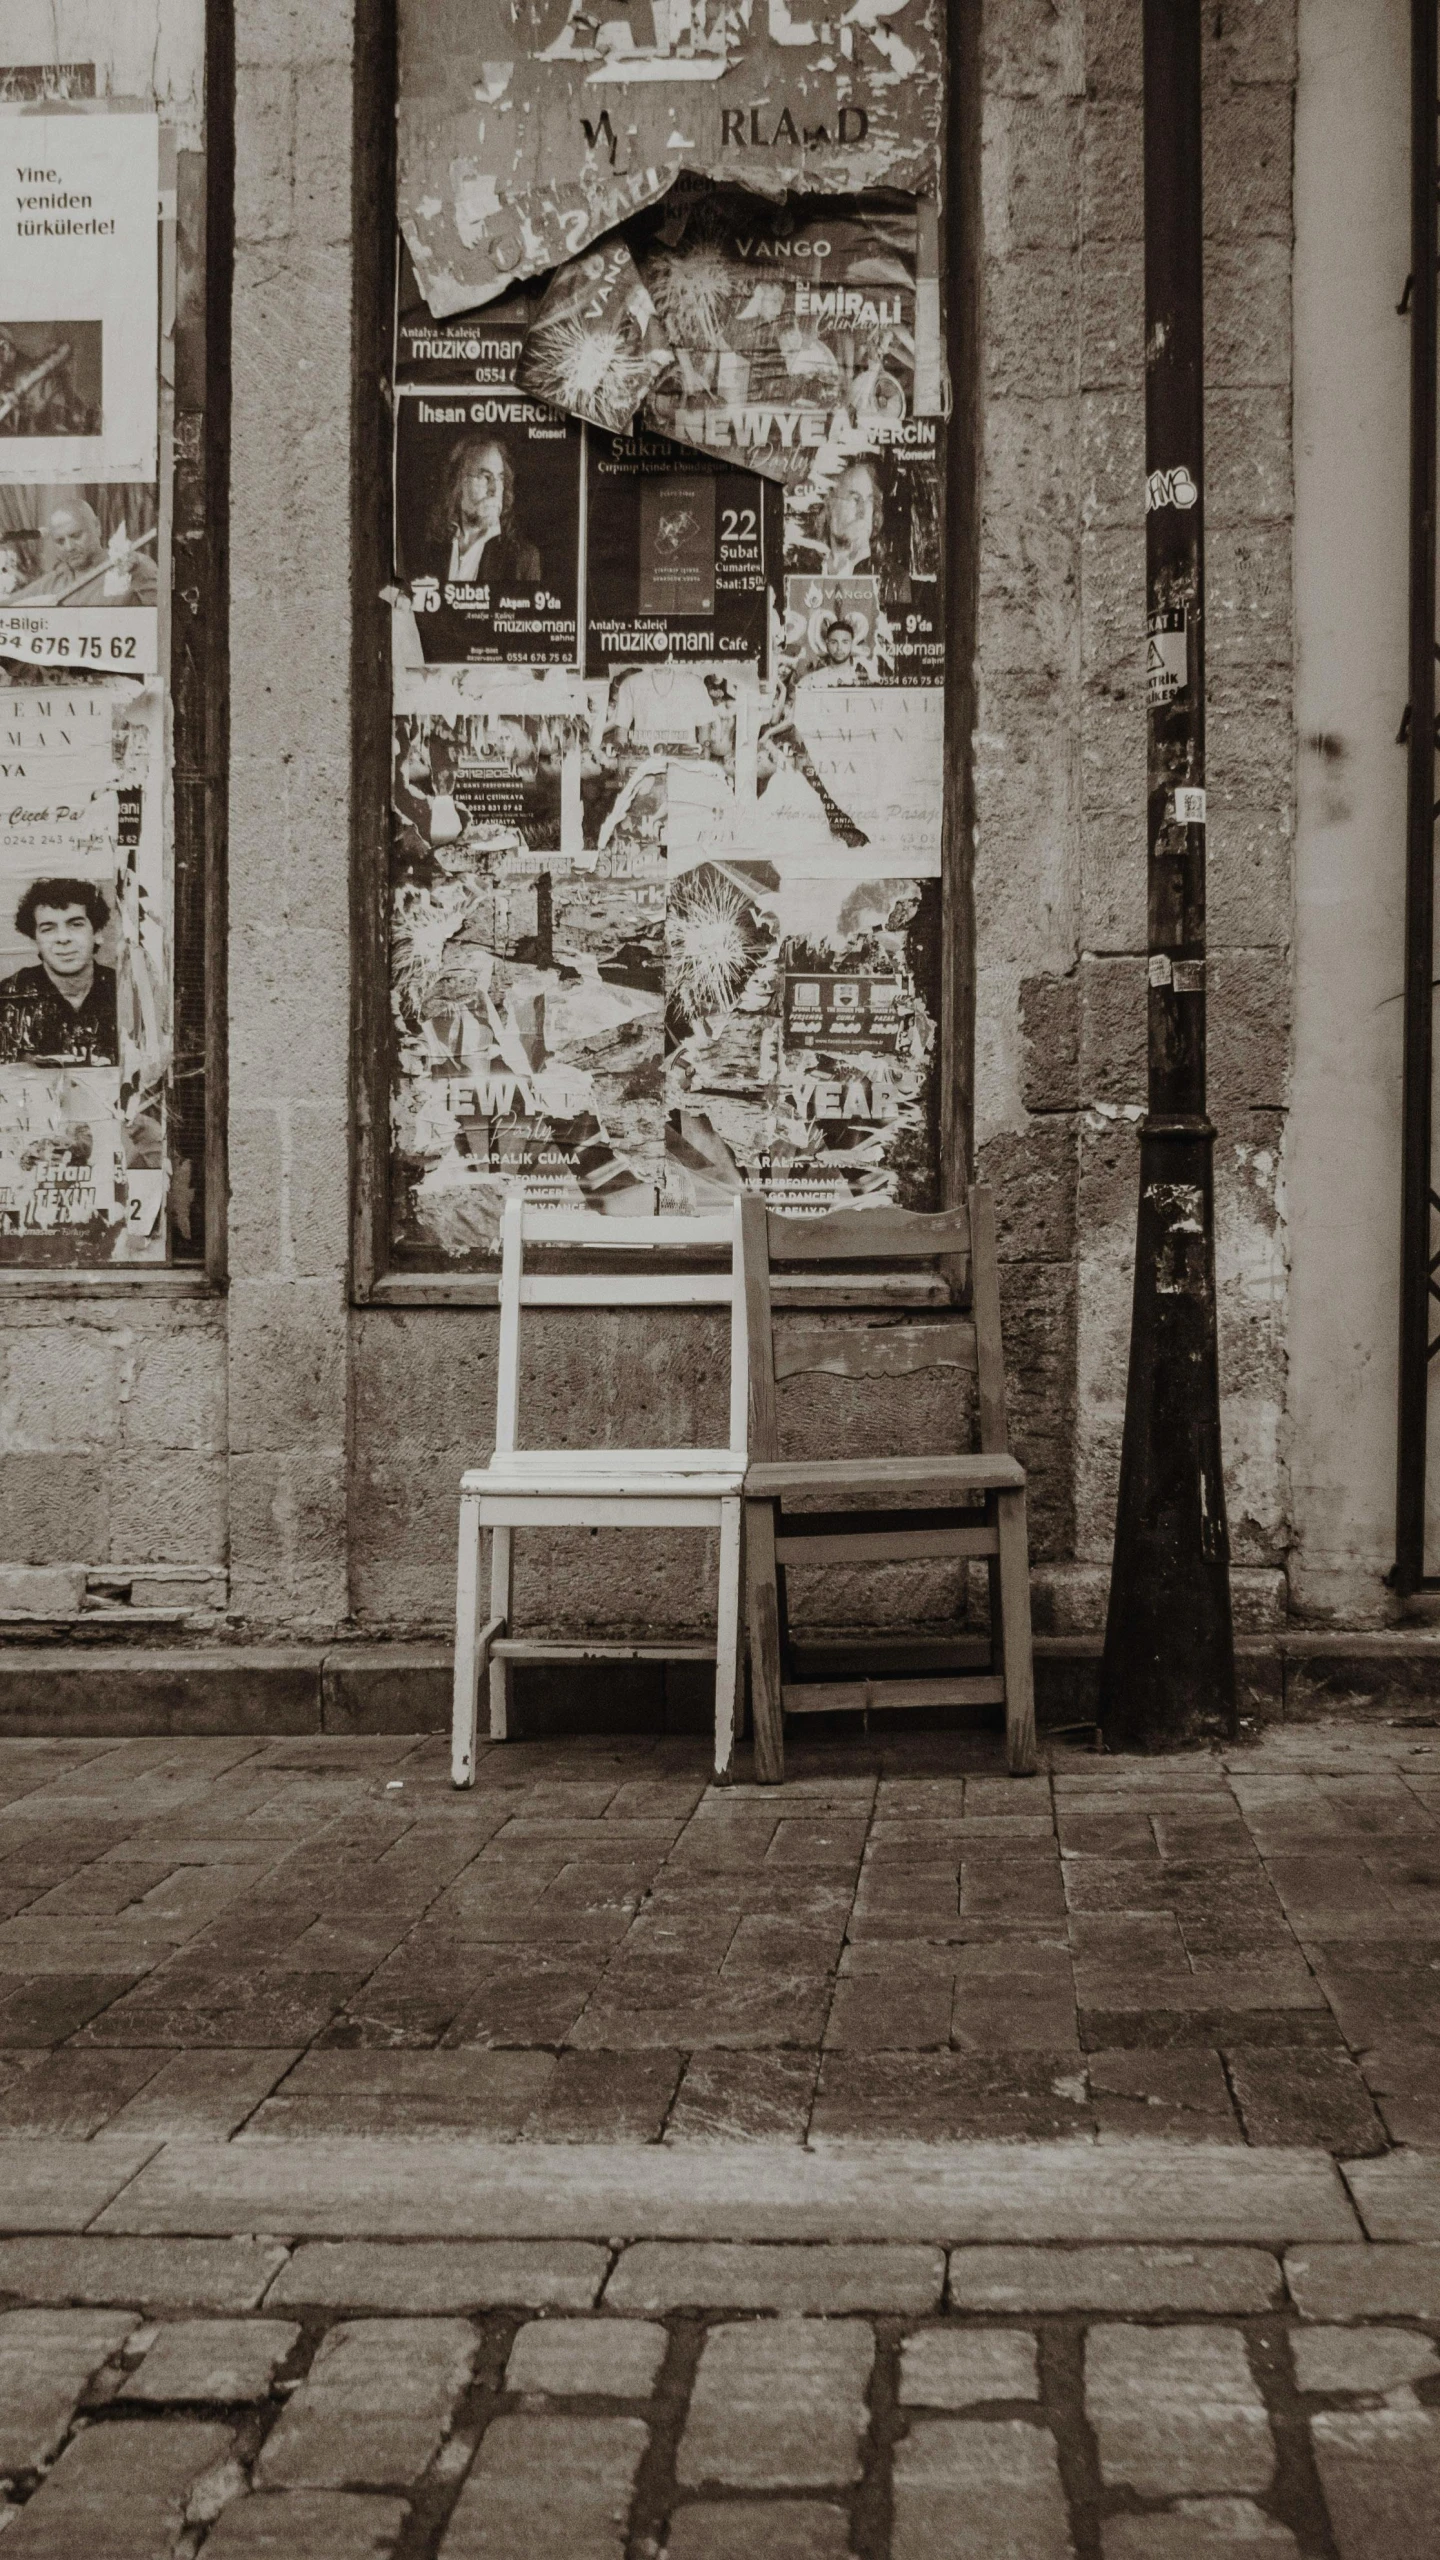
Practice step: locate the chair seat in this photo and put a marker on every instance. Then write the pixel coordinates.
(962, 1475)
(697, 1472)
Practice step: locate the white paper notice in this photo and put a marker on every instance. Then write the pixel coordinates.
(123, 642)
(79, 196)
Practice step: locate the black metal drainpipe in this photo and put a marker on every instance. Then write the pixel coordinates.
(1168, 1676)
(1417, 1291)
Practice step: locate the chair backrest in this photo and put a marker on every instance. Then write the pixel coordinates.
(522, 1226)
(963, 1237)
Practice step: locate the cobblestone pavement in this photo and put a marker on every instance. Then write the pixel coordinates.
(320, 1937)
(911, 2165)
(1042, 2407)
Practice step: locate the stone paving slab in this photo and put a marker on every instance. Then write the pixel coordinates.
(219, 2360)
(126, 2499)
(857, 2191)
(860, 2275)
(778, 2404)
(437, 2275)
(1120, 2278)
(321, 2524)
(159, 2275)
(54, 2185)
(1361, 2284)
(1399, 2196)
(548, 2489)
(46, 2360)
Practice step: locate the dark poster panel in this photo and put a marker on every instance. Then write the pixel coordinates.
(683, 554)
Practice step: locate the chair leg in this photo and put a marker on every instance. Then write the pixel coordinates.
(466, 1713)
(1015, 1650)
(763, 1614)
(502, 1577)
(729, 1658)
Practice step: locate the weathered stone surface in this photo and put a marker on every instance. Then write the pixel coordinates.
(1305, 2097)
(969, 2488)
(46, 2360)
(120, 2490)
(963, 2190)
(200, 2095)
(1380, 2471)
(1117, 2278)
(778, 2404)
(548, 2489)
(1176, 2411)
(1399, 2196)
(795, 2529)
(1200, 2529)
(221, 2360)
(159, 2275)
(661, 2275)
(50, 2185)
(373, 2408)
(1357, 2360)
(618, 2359)
(953, 2368)
(440, 2275)
(323, 2524)
(1362, 2284)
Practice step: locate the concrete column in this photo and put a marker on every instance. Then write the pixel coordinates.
(290, 814)
(1351, 490)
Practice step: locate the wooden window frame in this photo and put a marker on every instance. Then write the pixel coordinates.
(373, 1281)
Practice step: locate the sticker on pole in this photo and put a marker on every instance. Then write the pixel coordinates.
(1170, 489)
(1167, 656)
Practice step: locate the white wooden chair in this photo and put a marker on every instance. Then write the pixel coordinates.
(597, 1488)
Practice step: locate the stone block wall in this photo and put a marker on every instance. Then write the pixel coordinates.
(1060, 756)
(289, 958)
(310, 1450)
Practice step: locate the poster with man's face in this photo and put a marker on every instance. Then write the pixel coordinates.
(80, 577)
(84, 973)
(487, 507)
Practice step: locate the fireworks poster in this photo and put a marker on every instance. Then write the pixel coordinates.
(800, 1035)
(595, 346)
(793, 331)
(487, 505)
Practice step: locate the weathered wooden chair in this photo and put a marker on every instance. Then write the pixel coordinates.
(949, 1487)
(596, 1488)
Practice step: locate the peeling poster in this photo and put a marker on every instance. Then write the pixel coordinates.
(529, 127)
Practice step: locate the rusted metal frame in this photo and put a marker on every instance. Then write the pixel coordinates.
(215, 906)
(1418, 1195)
(372, 1034)
(959, 525)
(1168, 1674)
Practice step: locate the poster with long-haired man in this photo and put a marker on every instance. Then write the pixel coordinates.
(487, 516)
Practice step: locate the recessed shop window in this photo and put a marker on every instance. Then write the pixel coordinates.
(667, 913)
(110, 718)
